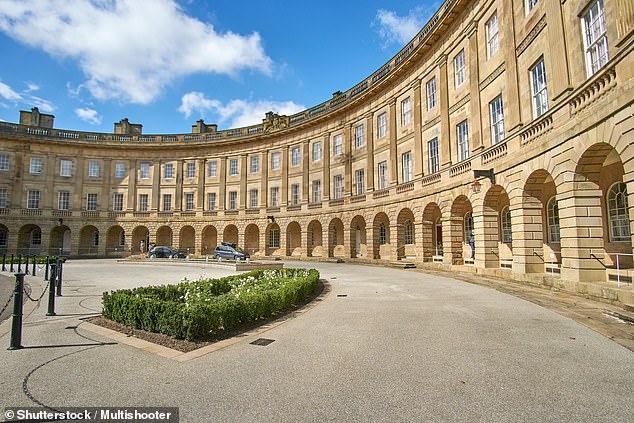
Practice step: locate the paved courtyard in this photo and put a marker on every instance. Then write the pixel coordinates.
(380, 345)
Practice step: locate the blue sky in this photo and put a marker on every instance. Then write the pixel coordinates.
(167, 63)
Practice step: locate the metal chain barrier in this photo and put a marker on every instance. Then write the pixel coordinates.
(7, 304)
(41, 296)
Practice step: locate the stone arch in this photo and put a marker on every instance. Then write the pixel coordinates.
(230, 234)
(115, 240)
(273, 235)
(336, 242)
(140, 233)
(60, 240)
(29, 239)
(405, 234)
(358, 237)
(462, 242)
(89, 240)
(381, 237)
(252, 239)
(293, 239)
(209, 240)
(187, 239)
(314, 238)
(432, 232)
(164, 236)
(496, 249)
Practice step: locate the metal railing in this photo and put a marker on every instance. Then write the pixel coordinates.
(618, 263)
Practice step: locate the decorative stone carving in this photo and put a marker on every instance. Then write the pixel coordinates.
(275, 122)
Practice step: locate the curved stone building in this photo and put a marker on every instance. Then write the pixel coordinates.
(500, 137)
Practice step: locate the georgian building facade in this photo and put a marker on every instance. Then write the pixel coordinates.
(500, 137)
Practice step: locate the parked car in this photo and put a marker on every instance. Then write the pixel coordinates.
(160, 251)
(229, 250)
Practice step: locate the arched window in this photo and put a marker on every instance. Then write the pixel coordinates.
(382, 234)
(334, 236)
(409, 232)
(617, 213)
(122, 238)
(95, 239)
(274, 238)
(553, 220)
(505, 219)
(4, 235)
(36, 237)
(468, 228)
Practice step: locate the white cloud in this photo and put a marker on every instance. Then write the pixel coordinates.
(238, 113)
(130, 50)
(31, 86)
(8, 93)
(401, 29)
(88, 115)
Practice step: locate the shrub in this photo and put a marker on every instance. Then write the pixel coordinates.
(195, 310)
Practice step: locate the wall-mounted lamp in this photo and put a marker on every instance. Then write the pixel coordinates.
(271, 218)
(60, 221)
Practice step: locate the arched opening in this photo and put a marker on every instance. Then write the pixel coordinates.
(336, 246)
(406, 240)
(187, 240)
(252, 239)
(88, 241)
(497, 250)
(432, 232)
(230, 234)
(462, 243)
(358, 238)
(293, 239)
(209, 240)
(164, 236)
(273, 235)
(115, 241)
(140, 233)
(29, 240)
(60, 241)
(381, 232)
(314, 239)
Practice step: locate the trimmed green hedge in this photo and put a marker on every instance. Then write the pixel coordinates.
(195, 310)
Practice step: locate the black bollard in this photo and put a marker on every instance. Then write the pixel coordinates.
(11, 263)
(19, 263)
(16, 327)
(34, 264)
(60, 267)
(26, 264)
(4, 262)
(46, 264)
(51, 291)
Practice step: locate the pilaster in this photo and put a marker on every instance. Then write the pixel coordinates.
(393, 148)
(418, 134)
(369, 128)
(444, 143)
(475, 120)
(325, 182)
(558, 51)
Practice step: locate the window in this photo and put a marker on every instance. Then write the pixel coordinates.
(382, 175)
(617, 213)
(493, 43)
(3, 198)
(295, 194)
(255, 164)
(337, 145)
(406, 163)
(211, 201)
(274, 238)
(538, 89)
(381, 125)
(408, 232)
(36, 236)
(275, 196)
(359, 136)
(233, 167)
(4, 162)
(316, 151)
(4, 235)
(253, 198)
(167, 202)
(505, 219)
(338, 186)
(33, 199)
(143, 202)
(189, 201)
(463, 140)
(434, 164)
(35, 165)
(497, 120)
(117, 202)
(122, 239)
(168, 170)
(95, 239)
(431, 93)
(63, 200)
(530, 4)
(276, 160)
(145, 170)
(295, 156)
(459, 68)
(406, 112)
(94, 170)
(191, 169)
(359, 181)
(316, 191)
(233, 200)
(212, 168)
(66, 168)
(469, 237)
(595, 40)
(91, 202)
(382, 234)
(119, 170)
(552, 212)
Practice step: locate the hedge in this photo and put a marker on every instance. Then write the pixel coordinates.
(198, 309)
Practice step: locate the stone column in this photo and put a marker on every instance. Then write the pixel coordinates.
(393, 149)
(284, 194)
(452, 235)
(418, 130)
(558, 52)
(621, 14)
(485, 222)
(78, 179)
(305, 172)
(264, 166)
(512, 115)
(444, 143)
(48, 197)
(475, 121)
(178, 192)
(325, 183)
(528, 235)
(18, 193)
(369, 128)
(394, 244)
(347, 154)
(222, 189)
(131, 206)
(156, 186)
(243, 183)
(200, 190)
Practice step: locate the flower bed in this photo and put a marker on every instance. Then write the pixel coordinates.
(198, 309)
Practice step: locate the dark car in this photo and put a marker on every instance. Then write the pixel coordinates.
(165, 252)
(229, 250)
